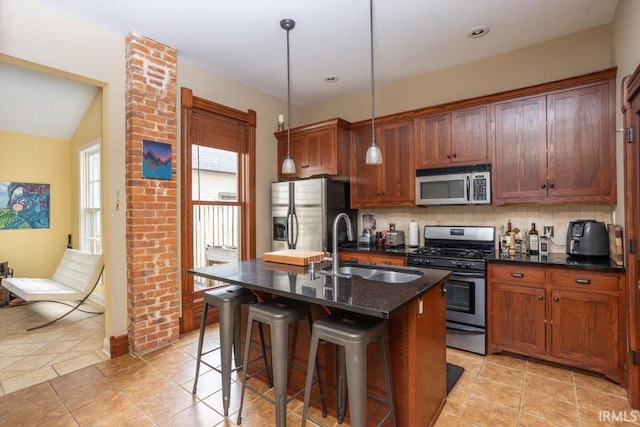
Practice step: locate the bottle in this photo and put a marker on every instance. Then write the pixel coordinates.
(534, 240)
(511, 239)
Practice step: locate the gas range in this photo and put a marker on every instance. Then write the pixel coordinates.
(455, 248)
(463, 251)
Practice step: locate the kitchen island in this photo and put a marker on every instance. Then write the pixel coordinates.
(415, 319)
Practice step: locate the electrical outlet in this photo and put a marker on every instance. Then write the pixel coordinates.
(548, 231)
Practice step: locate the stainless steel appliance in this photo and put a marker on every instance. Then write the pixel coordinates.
(459, 185)
(302, 213)
(588, 238)
(464, 251)
(394, 239)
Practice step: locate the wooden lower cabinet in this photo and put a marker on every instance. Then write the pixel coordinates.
(417, 351)
(364, 258)
(568, 316)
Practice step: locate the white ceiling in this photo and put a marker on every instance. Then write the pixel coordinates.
(243, 40)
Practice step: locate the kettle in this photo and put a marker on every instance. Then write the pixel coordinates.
(588, 238)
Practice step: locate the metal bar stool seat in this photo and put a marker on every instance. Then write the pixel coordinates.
(228, 300)
(278, 313)
(351, 334)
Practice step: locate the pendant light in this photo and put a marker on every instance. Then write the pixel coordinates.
(288, 166)
(374, 155)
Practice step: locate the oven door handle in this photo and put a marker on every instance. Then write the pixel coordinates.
(460, 274)
(462, 328)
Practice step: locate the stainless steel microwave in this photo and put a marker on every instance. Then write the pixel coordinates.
(459, 185)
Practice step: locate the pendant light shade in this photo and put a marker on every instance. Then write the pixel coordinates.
(374, 155)
(288, 166)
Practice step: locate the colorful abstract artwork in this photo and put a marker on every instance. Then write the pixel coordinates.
(24, 205)
(156, 160)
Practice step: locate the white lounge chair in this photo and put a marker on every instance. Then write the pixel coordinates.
(75, 279)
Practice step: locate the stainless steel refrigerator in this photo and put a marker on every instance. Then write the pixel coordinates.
(302, 213)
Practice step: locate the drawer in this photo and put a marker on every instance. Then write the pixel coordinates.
(517, 274)
(388, 260)
(585, 280)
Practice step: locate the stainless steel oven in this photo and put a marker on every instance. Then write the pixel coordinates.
(466, 316)
(463, 251)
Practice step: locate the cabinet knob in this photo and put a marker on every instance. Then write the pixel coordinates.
(540, 297)
(551, 185)
(543, 186)
(556, 299)
(455, 155)
(448, 156)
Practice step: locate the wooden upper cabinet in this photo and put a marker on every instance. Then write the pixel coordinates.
(520, 167)
(392, 183)
(555, 148)
(459, 137)
(581, 144)
(316, 149)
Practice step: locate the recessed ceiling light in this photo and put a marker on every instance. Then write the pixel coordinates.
(476, 32)
(331, 79)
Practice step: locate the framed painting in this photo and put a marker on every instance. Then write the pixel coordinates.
(156, 160)
(24, 205)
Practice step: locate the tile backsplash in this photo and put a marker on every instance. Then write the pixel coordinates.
(521, 217)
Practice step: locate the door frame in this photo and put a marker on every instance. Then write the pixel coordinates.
(631, 116)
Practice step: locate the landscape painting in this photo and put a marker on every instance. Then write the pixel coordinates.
(24, 205)
(156, 160)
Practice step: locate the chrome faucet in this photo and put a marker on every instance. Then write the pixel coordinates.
(334, 253)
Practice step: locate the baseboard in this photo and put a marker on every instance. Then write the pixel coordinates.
(118, 346)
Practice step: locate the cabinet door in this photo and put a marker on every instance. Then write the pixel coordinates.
(298, 153)
(520, 167)
(518, 314)
(365, 179)
(585, 328)
(469, 135)
(581, 144)
(320, 152)
(398, 163)
(434, 141)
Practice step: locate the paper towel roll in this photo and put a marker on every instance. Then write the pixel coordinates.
(413, 234)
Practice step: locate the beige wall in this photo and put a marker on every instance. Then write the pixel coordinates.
(36, 159)
(560, 58)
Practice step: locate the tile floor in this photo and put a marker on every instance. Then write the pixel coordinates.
(155, 390)
(28, 358)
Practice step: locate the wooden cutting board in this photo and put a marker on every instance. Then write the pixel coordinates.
(615, 244)
(293, 257)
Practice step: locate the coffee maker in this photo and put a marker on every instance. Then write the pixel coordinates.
(368, 237)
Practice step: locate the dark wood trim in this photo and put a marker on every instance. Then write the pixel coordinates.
(630, 101)
(118, 346)
(335, 122)
(192, 300)
(569, 83)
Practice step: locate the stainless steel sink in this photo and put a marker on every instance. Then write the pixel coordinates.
(372, 272)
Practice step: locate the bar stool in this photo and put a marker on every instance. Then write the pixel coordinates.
(278, 313)
(228, 299)
(351, 334)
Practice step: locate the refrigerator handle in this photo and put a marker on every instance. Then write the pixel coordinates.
(290, 231)
(294, 234)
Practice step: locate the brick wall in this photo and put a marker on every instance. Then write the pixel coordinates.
(153, 293)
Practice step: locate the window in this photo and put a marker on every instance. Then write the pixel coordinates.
(90, 197)
(217, 194)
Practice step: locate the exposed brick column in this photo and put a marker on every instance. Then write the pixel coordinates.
(153, 293)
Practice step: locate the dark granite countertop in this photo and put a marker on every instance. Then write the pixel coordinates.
(354, 294)
(560, 260)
